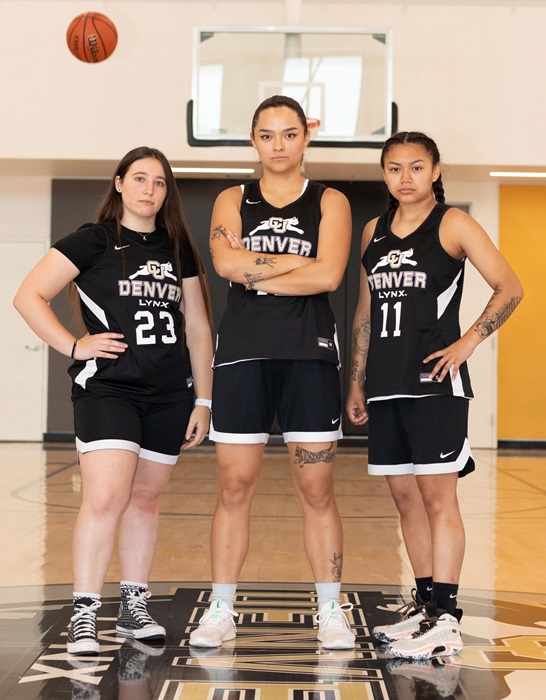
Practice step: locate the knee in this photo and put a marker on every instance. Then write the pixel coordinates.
(407, 502)
(318, 496)
(104, 504)
(234, 493)
(439, 504)
(144, 501)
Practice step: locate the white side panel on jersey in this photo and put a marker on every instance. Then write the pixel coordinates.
(457, 383)
(88, 371)
(92, 306)
(447, 295)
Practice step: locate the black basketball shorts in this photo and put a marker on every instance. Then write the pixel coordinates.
(154, 431)
(304, 395)
(419, 436)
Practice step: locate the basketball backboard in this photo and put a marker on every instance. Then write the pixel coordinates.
(342, 77)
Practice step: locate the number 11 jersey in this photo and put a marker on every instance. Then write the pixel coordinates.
(416, 289)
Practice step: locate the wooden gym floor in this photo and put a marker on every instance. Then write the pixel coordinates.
(503, 589)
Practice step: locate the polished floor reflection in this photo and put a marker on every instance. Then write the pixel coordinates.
(275, 654)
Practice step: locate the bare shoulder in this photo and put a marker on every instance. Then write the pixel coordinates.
(459, 233)
(231, 195)
(367, 233)
(334, 198)
(457, 217)
(457, 220)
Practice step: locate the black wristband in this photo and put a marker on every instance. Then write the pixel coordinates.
(73, 350)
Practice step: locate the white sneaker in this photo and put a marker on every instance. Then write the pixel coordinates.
(216, 626)
(334, 630)
(438, 636)
(400, 630)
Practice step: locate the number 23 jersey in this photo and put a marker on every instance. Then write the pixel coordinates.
(416, 289)
(130, 288)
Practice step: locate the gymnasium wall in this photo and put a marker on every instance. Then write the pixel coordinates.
(464, 71)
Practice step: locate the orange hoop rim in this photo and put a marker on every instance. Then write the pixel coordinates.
(313, 123)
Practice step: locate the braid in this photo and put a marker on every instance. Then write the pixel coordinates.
(438, 190)
(393, 202)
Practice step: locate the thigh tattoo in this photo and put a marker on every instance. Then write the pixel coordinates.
(304, 456)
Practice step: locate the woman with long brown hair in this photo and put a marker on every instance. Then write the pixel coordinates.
(141, 376)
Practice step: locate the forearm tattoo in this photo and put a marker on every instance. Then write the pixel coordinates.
(219, 231)
(492, 322)
(266, 261)
(337, 566)
(251, 279)
(304, 456)
(361, 343)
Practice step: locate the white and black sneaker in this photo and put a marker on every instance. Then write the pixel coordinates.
(412, 614)
(134, 620)
(438, 635)
(82, 631)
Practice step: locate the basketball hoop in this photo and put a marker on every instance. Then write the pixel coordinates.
(313, 123)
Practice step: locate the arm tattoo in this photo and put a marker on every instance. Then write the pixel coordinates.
(218, 231)
(361, 343)
(251, 279)
(337, 566)
(304, 456)
(266, 261)
(492, 322)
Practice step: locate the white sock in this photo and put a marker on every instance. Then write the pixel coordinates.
(326, 592)
(78, 594)
(133, 584)
(225, 592)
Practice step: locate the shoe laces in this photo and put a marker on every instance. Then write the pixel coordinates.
(136, 604)
(84, 619)
(426, 624)
(411, 608)
(218, 615)
(333, 615)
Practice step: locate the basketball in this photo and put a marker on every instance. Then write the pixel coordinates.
(91, 37)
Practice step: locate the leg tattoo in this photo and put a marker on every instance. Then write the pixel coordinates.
(337, 566)
(304, 456)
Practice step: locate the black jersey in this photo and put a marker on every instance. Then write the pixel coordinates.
(416, 289)
(130, 288)
(256, 325)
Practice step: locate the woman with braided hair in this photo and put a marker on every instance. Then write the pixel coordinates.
(410, 380)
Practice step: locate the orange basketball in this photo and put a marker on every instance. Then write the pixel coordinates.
(92, 37)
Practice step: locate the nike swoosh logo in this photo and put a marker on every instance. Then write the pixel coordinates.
(120, 247)
(376, 240)
(334, 420)
(249, 202)
(443, 456)
(452, 596)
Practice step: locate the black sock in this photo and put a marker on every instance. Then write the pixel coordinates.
(445, 595)
(424, 589)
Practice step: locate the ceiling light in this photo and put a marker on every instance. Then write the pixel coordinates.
(516, 174)
(219, 171)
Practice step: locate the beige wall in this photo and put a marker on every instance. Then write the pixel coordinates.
(464, 71)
